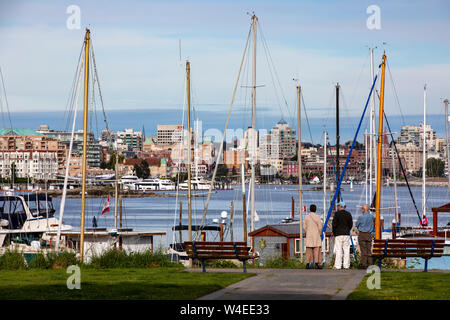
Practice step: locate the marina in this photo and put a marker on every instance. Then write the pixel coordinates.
(241, 156)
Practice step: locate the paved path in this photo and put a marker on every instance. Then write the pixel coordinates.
(289, 284)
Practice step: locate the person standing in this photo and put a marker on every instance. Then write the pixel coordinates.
(313, 227)
(342, 224)
(365, 228)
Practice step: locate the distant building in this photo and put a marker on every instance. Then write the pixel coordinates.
(131, 138)
(94, 152)
(285, 136)
(30, 153)
(169, 134)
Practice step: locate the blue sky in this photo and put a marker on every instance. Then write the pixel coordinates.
(136, 48)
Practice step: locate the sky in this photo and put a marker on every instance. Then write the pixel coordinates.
(136, 45)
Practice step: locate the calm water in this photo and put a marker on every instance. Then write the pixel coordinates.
(273, 203)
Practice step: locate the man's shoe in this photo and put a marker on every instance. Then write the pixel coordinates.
(308, 266)
(317, 266)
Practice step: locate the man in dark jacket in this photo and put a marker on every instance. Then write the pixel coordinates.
(342, 224)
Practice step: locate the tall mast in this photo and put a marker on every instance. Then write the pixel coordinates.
(424, 151)
(188, 89)
(380, 139)
(116, 187)
(85, 129)
(338, 171)
(394, 174)
(372, 128)
(299, 168)
(253, 129)
(324, 184)
(365, 163)
(446, 140)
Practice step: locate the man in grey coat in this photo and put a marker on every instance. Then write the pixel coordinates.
(313, 228)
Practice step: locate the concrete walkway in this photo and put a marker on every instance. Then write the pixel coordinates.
(289, 284)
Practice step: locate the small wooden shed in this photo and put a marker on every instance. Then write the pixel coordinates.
(282, 240)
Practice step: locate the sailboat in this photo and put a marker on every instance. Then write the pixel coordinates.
(89, 242)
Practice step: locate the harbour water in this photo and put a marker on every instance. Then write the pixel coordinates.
(273, 203)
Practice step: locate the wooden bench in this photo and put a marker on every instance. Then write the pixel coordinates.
(202, 251)
(403, 248)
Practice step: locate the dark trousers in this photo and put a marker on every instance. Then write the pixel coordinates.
(365, 245)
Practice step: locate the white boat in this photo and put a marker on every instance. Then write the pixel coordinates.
(27, 222)
(196, 184)
(129, 182)
(154, 184)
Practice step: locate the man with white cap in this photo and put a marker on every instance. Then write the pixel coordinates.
(342, 224)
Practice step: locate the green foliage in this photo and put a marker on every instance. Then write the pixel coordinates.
(142, 170)
(277, 262)
(434, 167)
(39, 261)
(220, 264)
(12, 260)
(115, 258)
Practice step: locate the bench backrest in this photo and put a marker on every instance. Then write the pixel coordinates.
(216, 250)
(409, 247)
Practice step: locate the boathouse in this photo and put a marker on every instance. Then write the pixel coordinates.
(282, 240)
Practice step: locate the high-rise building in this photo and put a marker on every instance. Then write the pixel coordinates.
(169, 134)
(286, 138)
(131, 138)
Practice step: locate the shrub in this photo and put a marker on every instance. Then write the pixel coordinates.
(39, 261)
(115, 258)
(278, 262)
(62, 260)
(221, 264)
(12, 260)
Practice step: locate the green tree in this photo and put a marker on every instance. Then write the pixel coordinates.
(434, 167)
(142, 170)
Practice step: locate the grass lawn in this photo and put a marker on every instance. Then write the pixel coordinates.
(154, 284)
(397, 285)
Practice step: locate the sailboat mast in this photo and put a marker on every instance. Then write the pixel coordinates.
(116, 196)
(253, 129)
(85, 129)
(188, 88)
(338, 171)
(324, 184)
(424, 152)
(372, 129)
(380, 139)
(299, 168)
(446, 140)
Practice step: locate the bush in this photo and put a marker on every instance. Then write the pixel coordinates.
(115, 258)
(221, 264)
(12, 260)
(39, 261)
(62, 260)
(278, 262)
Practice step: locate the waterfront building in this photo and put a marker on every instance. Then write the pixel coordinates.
(131, 138)
(31, 154)
(283, 135)
(94, 153)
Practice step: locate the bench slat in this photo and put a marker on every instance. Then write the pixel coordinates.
(409, 241)
(421, 246)
(200, 247)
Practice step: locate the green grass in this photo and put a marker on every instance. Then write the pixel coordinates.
(396, 285)
(105, 284)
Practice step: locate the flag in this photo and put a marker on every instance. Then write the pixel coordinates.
(424, 221)
(106, 206)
